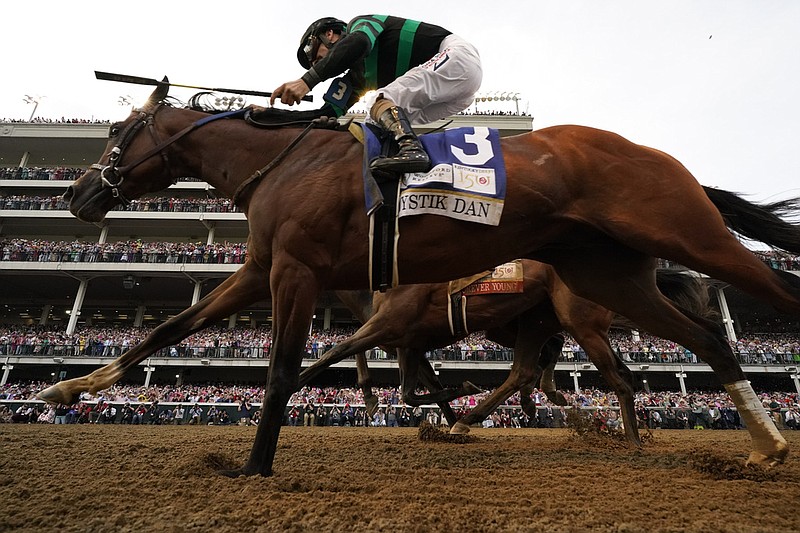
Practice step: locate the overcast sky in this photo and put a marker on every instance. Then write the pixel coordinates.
(714, 83)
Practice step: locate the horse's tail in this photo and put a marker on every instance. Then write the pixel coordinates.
(686, 290)
(759, 222)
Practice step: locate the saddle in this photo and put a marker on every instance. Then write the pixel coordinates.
(271, 118)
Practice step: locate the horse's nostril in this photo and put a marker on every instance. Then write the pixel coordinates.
(68, 194)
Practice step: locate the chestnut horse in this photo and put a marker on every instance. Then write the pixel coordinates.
(412, 319)
(595, 206)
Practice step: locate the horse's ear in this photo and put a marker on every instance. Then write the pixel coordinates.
(159, 93)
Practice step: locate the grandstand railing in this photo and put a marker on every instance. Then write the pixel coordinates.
(444, 354)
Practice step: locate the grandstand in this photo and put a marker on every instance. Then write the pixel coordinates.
(153, 259)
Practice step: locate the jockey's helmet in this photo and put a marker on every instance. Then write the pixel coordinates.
(312, 38)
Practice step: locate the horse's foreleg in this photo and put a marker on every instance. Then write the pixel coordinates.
(368, 336)
(524, 369)
(294, 294)
(617, 375)
(365, 384)
(547, 360)
(410, 366)
(588, 323)
(427, 375)
(245, 286)
(525, 401)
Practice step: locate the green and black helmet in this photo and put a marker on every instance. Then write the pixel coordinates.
(311, 40)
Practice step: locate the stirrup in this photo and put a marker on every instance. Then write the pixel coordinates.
(402, 163)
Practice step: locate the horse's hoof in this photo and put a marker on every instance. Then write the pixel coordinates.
(56, 394)
(555, 397)
(459, 428)
(236, 472)
(471, 388)
(372, 405)
(768, 460)
(241, 472)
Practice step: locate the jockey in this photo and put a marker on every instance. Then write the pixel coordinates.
(420, 73)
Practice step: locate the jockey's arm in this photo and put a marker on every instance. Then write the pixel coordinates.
(347, 52)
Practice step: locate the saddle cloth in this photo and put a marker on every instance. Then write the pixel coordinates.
(467, 180)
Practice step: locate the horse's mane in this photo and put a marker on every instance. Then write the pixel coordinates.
(271, 117)
(209, 102)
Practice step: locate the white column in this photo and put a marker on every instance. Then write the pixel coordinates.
(681, 377)
(103, 234)
(137, 322)
(795, 378)
(45, 314)
(232, 320)
(575, 375)
(198, 287)
(726, 314)
(76, 307)
(149, 370)
(212, 228)
(327, 320)
(6, 370)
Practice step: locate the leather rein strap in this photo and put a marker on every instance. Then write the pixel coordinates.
(258, 174)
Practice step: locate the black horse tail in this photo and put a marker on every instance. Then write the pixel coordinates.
(687, 291)
(759, 222)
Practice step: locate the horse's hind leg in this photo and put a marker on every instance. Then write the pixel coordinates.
(626, 284)
(242, 288)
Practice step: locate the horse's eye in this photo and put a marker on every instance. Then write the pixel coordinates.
(113, 131)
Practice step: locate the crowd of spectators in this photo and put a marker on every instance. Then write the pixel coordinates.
(19, 249)
(213, 342)
(132, 251)
(52, 173)
(221, 404)
(161, 204)
(62, 120)
(355, 110)
(41, 173)
(254, 342)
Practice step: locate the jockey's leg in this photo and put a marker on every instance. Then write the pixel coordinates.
(411, 156)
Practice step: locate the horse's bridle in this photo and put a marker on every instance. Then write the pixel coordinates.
(111, 171)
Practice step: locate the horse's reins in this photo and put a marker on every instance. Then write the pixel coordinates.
(149, 118)
(258, 174)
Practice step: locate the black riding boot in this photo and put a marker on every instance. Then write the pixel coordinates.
(411, 157)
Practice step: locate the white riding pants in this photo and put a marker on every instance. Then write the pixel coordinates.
(443, 86)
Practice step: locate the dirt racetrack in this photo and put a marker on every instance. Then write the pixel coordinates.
(157, 478)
